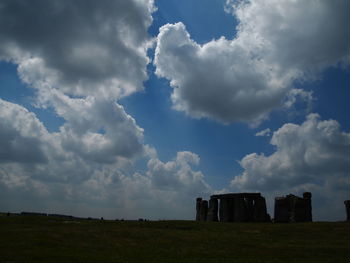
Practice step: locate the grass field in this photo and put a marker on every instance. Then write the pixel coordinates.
(47, 239)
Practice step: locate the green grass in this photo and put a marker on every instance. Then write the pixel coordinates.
(45, 239)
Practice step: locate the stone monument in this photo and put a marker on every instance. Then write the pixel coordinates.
(234, 207)
(292, 208)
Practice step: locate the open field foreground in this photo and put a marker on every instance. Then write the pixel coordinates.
(48, 239)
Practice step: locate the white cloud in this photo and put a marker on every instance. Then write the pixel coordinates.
(296, 35)
(313, 156)
(243, 79)
(266, 132)
(98, 129)
(215, 80)
(177, 175)
(295, 95)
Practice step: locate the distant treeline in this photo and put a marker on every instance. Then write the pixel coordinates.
(65, 216)
(46, 214)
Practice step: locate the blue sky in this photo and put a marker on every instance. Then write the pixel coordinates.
(205, 20)
(135, 119)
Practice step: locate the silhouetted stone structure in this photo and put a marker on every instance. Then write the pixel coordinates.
(237, 207)
(347, 207)
(292, 208)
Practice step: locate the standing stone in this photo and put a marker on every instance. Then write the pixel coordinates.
(282, 208)
(307, 197)
(292, 208)
(224, 210)
(347, 207)
(249, 204)
(239, 210)
(213, 210)
(203, 210)
(298, 209)
(231, 207)
(260, 212)
(198, 208)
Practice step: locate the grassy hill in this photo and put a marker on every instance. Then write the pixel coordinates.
(49, 239)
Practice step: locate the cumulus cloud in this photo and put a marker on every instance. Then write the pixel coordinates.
(243, 79)
(81, 57)
(296, 35)
(177, 174)
(98, 129)
(84, 47)
(58, 177)
(19, 133)
(30, 151)
(313, 156)
(215, 80)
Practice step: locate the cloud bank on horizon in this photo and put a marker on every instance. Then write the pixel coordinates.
(82, 57)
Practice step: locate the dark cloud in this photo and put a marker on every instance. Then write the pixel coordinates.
(85, 44)
(98, 130)
(96, 51)
(93, 49)
(88, 172)
(19, 135)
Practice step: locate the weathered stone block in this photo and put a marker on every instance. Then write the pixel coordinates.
(198, 208)
(347, 207)
(292, 208)
(224, 210)
(249, 209)
(234, 207)
(240, 210)
(213, 210)
(203, 210)
(298, 209)
(260, 212)
(307, 197)
(282, 208)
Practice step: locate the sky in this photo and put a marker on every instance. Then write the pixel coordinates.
(133, 108)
